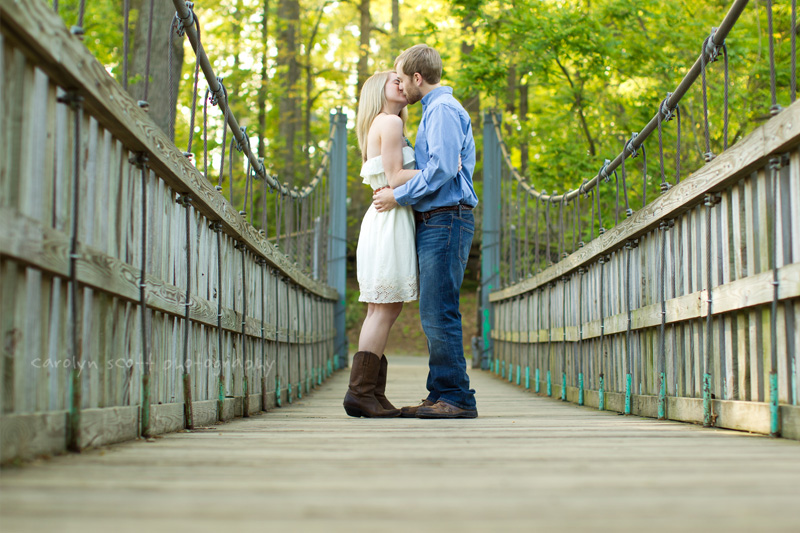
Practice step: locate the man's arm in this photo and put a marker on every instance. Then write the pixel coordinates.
(445, 139)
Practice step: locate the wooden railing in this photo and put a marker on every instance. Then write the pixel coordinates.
(91, 189)
(565, 331)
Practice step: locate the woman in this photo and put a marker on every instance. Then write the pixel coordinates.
(386, 255)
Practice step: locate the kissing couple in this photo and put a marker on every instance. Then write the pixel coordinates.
(416, 235)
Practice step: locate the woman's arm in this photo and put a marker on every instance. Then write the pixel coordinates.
(392, 143)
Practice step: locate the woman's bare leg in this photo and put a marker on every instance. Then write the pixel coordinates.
(377, 325)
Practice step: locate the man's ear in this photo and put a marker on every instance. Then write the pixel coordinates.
(418, 79)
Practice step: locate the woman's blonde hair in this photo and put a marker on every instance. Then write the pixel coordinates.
(370, 104)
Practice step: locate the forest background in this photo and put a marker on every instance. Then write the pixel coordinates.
(572, 79)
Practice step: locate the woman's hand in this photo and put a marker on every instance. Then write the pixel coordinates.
(383, 200)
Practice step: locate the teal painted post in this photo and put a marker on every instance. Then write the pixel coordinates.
(549, 384)
(538, 386)
(337, 242)
(662, 398)
(490, 240)
(628, 398)
(519, 371)
(527, 377)
(563, 386)
(601, 405)
(580, 389)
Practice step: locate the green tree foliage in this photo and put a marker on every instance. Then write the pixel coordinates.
(594, 72)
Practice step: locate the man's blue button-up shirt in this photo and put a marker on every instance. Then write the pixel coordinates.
(444, 133)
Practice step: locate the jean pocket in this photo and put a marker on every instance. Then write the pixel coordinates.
(440, 220)
(464, 244)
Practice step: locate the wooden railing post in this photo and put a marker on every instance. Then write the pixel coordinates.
(337, 269)
(490, 243)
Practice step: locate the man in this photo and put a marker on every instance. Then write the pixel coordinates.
(442, 197)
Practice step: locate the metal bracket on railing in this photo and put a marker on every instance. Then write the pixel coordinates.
(138, 159)
(666, 224)
(711, 199)
(240, 245)
(77, 31)
(184, 199)
(71, 98)
(144, 105)
(215, 226)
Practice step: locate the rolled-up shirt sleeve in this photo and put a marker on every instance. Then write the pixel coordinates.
(445, 138)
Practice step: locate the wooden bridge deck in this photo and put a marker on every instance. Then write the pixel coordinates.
(527, 462)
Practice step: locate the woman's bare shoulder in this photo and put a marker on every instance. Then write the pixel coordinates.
(388, 122)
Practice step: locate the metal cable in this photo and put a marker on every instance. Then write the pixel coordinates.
(725, 104)
(624, 178)
(644, 175)
(126, 14)
(149, 49)
(678, 147)
(793, 75)
(773, 93)
(205, 135)
(81, 13)
(708, 155)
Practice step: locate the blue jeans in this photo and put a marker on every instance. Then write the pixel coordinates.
(443, 244)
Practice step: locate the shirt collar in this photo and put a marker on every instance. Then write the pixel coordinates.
(434, 94)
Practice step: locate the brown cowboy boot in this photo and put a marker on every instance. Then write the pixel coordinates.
(360, 398)
(380, 386)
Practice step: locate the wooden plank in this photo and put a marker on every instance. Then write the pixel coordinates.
(109, 425)
(47, 249)
(166, 418)
(25, 436)
(30, 23)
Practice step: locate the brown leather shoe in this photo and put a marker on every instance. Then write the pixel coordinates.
(360, 398)
(380, 386)
(443, 409)
(411, 410)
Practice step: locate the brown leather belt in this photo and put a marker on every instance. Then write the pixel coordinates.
(425, 215)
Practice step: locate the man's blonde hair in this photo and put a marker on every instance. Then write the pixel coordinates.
(370, 104)
(423, 59)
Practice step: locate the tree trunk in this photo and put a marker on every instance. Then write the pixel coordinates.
(395, 40)
(262, 89)
(162, 96)
(523, 117)
(289, 75)
(472, 101)
(363, 51)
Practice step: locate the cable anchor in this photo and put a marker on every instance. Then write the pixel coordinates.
(182, 23)
(219, 93)
(711, 49)
(667, 113)
(604, 171)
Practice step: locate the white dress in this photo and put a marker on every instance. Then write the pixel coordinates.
(387, 254)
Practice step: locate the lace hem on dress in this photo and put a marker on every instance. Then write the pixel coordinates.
(384, 290)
